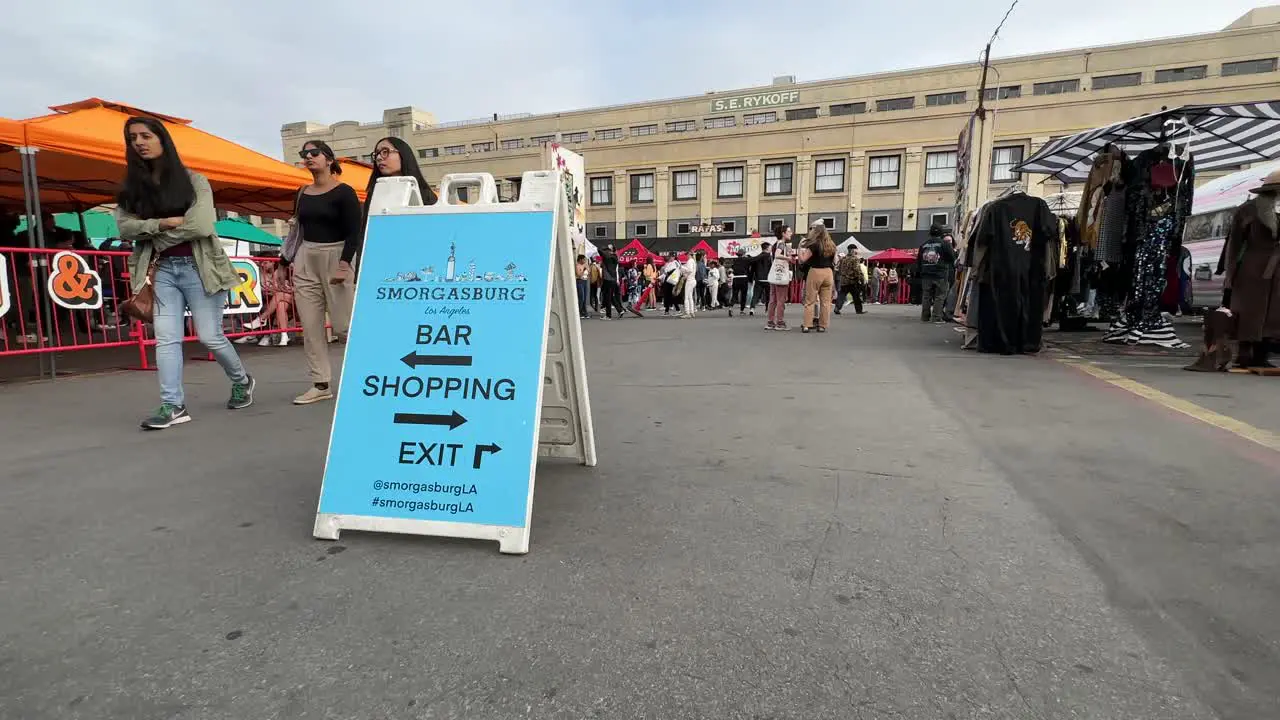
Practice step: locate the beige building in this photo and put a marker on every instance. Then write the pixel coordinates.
(863, 154)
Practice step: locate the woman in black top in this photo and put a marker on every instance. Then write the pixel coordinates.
(818, 255)
(329, 215)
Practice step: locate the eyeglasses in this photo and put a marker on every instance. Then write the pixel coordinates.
(310, 153)
(380, 153)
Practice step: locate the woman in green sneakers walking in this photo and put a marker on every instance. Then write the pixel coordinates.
(166, 211)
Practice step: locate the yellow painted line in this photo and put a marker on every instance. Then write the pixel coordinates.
(1265, 438)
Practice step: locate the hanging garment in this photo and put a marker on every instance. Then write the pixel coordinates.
(1110, 244)
(1013, 239)
(1253, 275)
(1103, 175)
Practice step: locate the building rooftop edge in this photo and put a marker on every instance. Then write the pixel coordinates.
(887, 74)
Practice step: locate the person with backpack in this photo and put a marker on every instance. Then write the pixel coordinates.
(760, 277)
(743, 271)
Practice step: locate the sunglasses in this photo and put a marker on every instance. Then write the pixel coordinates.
(310, 153)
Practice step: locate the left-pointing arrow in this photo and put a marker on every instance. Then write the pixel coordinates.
(413, 360)
(453, 420)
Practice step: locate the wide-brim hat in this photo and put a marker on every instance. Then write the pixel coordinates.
(1270, 183)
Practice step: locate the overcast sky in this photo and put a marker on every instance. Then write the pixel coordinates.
(241, 68)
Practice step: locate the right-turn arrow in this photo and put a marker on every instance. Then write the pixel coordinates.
(481, 450)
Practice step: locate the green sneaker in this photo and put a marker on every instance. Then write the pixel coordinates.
(242, 394)
(166, 416)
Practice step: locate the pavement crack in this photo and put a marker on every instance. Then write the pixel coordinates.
(1013, 679)
(813, 569)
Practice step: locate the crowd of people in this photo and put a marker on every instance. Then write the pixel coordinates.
(610, 286)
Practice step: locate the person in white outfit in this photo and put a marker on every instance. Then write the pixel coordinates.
(715, 274)
(689, 271)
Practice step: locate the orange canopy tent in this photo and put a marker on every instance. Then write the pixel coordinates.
(81, 161)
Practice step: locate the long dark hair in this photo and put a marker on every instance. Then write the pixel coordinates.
(147, 193)
(323, 147)
(408, 168)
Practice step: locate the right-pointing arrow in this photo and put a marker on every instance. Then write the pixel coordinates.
(481, 450)
(453, 420)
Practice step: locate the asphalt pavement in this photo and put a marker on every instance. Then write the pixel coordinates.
(864, 524)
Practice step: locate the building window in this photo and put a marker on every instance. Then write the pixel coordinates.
(642, 188)
(775, 224)
(1004, 93)
(542, 139)
(802, 113)
(884, 172)
(683, 228)
(602, 191)
(879, 222)
(729, 226)
(905, 103)
(614, 134)
(763, 118)
(685, 185)
(828, 222)
(574, 137)
(601, 231)
(1195, 72)
(482, 147)
(940, 168)
(455, 149)
(828, 176)
(1104, 82)
(848, 108)
(641, 230)
(638, 130)
(1057, 87)
(938, 219)
(720, 122)
(512, 144)
(425, 153)
(1002, 161)
(951, 98)
(682, 126)
(777, 179)
(1248, 67)
(729, 183)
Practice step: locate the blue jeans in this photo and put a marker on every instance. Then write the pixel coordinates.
(583, 286)
(177, 289)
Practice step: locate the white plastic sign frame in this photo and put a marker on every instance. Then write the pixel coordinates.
(562, 415)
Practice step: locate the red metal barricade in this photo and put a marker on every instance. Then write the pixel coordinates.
(62, 300)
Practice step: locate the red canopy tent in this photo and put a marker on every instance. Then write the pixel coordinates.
(894, 255)
(705, 247)
(634, 251)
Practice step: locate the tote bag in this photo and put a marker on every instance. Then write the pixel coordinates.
(293, 240)
(780, 272)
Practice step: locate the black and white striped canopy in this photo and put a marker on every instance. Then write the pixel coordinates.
(1221, 136)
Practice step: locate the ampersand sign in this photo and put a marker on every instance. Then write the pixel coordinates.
(73, 284)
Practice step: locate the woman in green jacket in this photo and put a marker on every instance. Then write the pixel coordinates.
(166, 211)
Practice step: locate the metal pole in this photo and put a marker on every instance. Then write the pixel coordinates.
(44, 260)
(29, 209)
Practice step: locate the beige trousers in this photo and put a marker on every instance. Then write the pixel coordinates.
(314, 296)
(817, 290)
